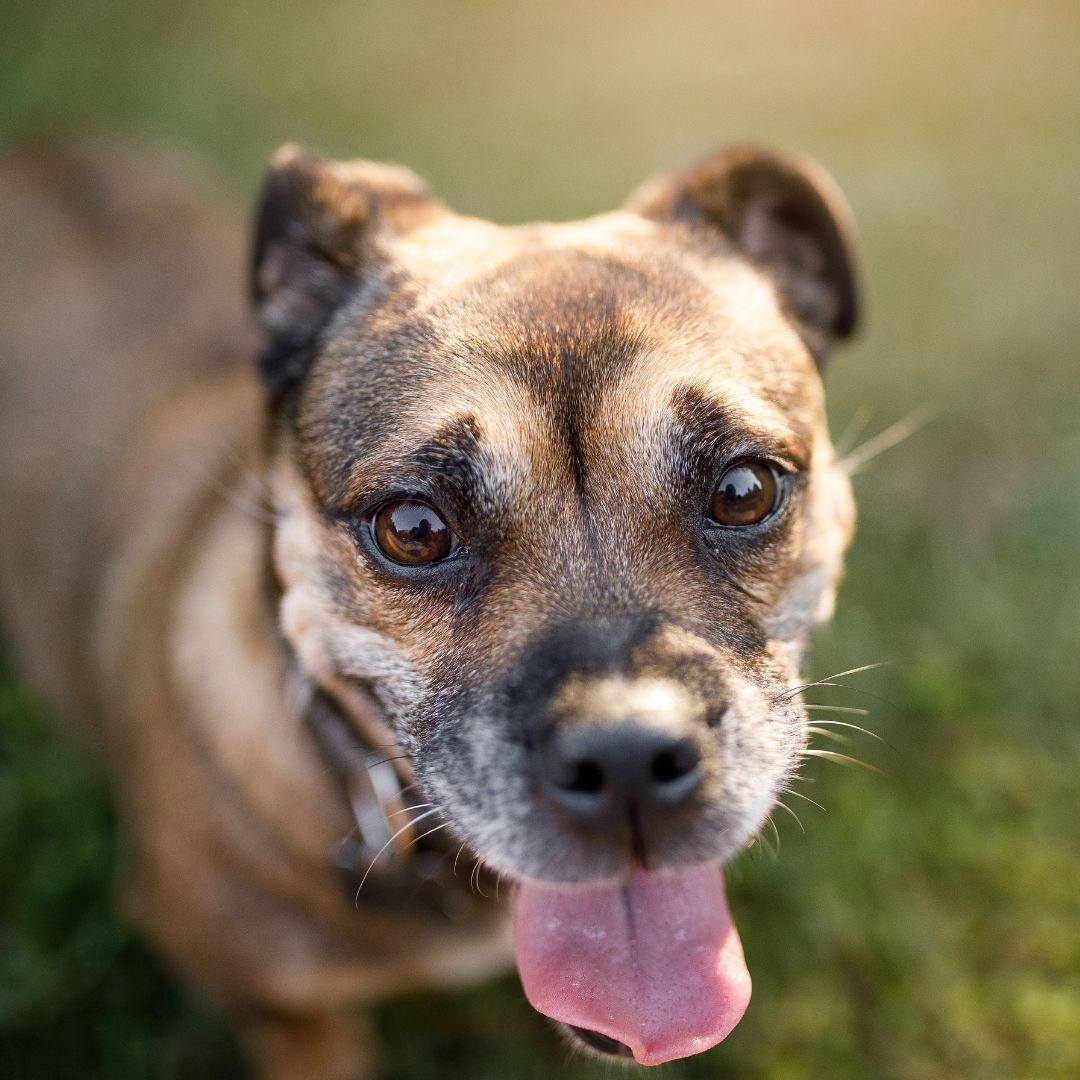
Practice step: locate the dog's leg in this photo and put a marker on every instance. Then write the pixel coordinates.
(318, 1045)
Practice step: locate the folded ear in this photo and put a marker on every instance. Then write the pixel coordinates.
(786, 216)
(317, 233)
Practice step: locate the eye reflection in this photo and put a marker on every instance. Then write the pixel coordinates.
(411, 533)
(746, 494)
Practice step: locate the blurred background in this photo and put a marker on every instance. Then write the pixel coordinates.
(927, 923)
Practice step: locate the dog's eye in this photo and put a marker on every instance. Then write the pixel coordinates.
(747, 494)
(411, 533)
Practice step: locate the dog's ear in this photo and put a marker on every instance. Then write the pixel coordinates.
(317, 232)
(786, 216)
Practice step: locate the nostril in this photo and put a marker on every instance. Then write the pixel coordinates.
(577, 784)
(673, 763)
(595, 771)
(584, 776)
(665, 768)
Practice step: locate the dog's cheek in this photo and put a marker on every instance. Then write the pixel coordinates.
(825, 533)
(480, 778)
(328, 643)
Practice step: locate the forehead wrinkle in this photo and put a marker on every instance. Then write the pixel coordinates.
(767, 375)
(730, 338)
(505, 438)
(562, 323)
(640, 421)
(544, 299)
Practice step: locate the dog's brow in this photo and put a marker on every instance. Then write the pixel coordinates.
(707, 428)
(453, 462)
(452, 453)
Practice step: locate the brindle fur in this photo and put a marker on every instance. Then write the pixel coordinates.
(566, 393)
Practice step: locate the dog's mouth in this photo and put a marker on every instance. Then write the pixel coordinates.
(650, 968)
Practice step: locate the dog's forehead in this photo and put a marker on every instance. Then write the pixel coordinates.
(546, 284)
(553, 332)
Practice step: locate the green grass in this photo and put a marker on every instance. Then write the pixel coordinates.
(928, 923)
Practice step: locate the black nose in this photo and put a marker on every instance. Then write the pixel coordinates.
(594, 770)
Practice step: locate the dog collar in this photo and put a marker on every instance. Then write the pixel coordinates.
(371, 783)
(383, 858)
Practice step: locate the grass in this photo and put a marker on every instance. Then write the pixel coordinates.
(926, 924)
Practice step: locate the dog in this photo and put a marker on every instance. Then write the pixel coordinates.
(488, 546)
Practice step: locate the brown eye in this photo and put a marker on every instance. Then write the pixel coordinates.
(411, 533)
(747, 493)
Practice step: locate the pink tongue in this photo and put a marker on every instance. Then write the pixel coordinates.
(655, 963)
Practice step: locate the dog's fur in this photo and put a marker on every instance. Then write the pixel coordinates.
(180, 535)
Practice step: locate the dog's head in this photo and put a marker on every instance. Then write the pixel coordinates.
(563, 498)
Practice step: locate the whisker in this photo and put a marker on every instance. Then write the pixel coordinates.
(246, 467)
(784, 806)
(834, 735)
(827, 680)
(383, 761)
(346, 838)
(844, 686)
(836, 708)
(444, 825)
(857, 670)
(405, 809)
(235, 499)
(893, 435)
(458, 856)
(479, 887)
(846, 440)
(853, 727)
(805, 798)
(841, 759)
(765, 848)
(474, 880)
(404, 828)
(776, 831)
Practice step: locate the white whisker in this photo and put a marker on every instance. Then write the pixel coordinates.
(784, 806)
(836, 708)
(458, 856)
(404, 828)
(776, 831)
(404, 809)
(853, 727)
(834, 735)
(846, 440)
(841, 759)
(444, 825)
(828, 680)
(892, 436)
(805, 798)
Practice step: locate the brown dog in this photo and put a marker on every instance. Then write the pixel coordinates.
(512, 551)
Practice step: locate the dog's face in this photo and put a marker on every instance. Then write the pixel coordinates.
(563, 496)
